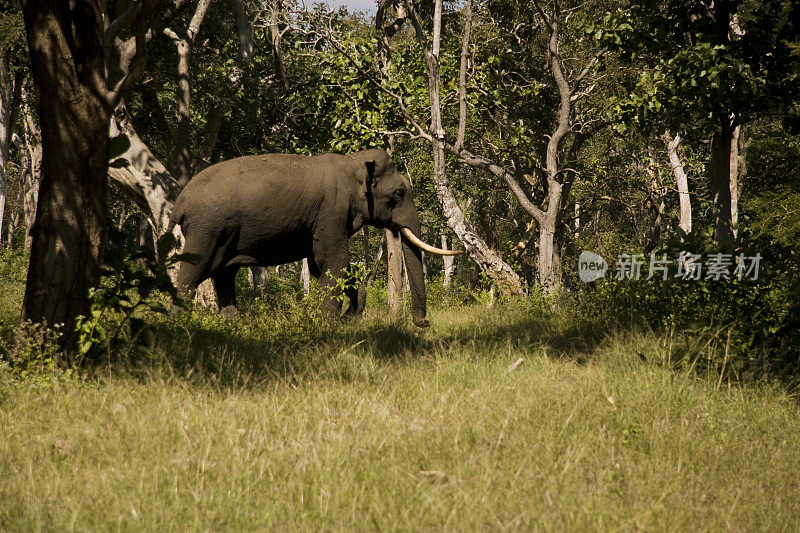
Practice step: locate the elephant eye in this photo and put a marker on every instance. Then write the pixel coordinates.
(397, 198)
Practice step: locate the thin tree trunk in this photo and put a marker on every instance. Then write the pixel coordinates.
(245, 29)
(30, 146)
(305, 276)
(489, 263)
(183, 137)
(447, 267)
(373, 272)
(654, 233)
(597, 237)
(721, 143)
(655, 198)
(681, 182)
(275, 45)
(547, 224)
(213, 124)
(10, 85)
(259, 276)
(406, 281)
(6, 90)
(394, 281)
(734, 180)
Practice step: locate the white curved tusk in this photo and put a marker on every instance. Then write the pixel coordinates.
(413, 239)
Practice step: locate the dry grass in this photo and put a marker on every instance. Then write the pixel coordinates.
(381, 426)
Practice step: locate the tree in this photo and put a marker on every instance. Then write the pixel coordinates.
(721, 63)
(81, 70)
(11, 79)
(681, 182)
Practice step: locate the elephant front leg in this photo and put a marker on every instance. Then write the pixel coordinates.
(330, 267)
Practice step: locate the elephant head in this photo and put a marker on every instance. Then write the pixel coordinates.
(389, 204)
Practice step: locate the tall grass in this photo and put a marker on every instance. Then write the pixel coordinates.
(282, 421)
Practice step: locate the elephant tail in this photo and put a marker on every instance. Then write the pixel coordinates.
(177, 216)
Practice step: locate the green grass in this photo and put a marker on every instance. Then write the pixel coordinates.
(285, 423)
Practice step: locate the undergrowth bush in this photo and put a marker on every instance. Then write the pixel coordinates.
(746, 328)
(747, 325)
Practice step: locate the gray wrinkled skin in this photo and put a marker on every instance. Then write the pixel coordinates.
(276, 208)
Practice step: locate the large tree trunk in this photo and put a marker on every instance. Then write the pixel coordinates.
(66, 47)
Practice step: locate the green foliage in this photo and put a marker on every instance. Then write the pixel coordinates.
(12, 34)
(352, 278)
(752, 325)
(36, 356)
(694, 64)
(131, 281)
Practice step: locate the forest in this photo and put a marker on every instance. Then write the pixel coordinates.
(575, 220)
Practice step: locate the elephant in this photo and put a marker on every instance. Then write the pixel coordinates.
(278, 208)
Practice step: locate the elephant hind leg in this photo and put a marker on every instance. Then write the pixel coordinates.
(225, 285)
(190, 275)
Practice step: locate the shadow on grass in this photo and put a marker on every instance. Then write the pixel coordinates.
(253, 350)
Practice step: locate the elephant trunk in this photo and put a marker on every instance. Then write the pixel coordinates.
(407, 218)
(416, 281)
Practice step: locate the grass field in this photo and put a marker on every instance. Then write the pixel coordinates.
(285, 423)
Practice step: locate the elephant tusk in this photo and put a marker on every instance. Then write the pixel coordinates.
(413, 239)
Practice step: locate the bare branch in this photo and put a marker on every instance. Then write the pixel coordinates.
(462, 77)
(276, 36)
(197, 20)
(482, 163)
(121, 22)
(588, 67)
